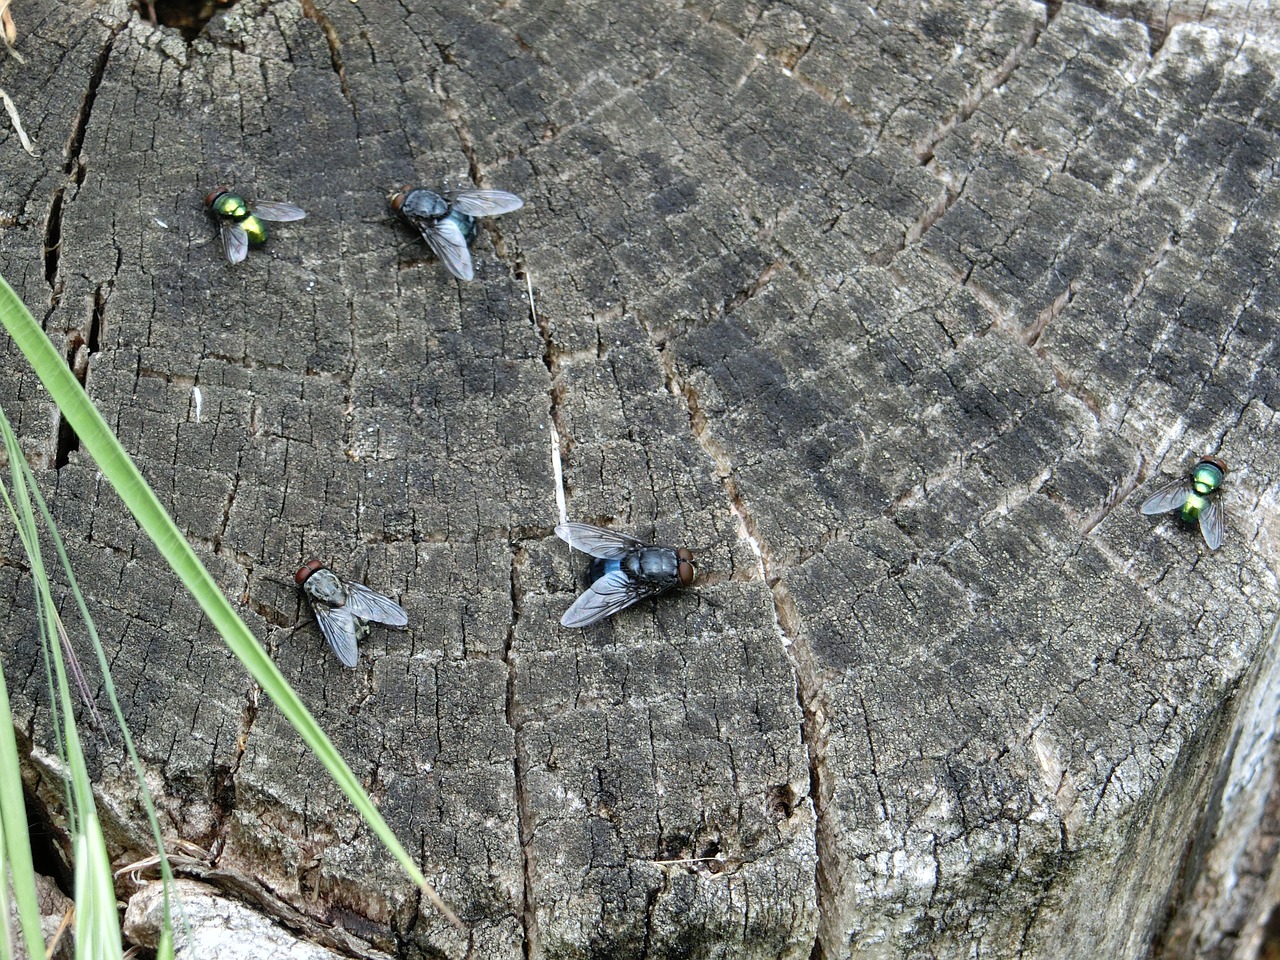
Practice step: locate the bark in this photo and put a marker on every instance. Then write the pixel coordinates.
(893, 314)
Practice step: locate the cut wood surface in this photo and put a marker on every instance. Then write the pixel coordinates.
(894, 314)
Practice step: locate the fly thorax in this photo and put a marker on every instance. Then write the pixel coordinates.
(229, 205)
(653, 564)
(325, 586)
(424, 204)
(1206, 478)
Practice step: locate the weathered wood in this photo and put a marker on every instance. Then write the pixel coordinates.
(894, 315)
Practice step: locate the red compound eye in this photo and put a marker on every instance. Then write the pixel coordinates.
(306, 570)
(212, 198)
(684, 569)
(397, 198)
(1216, 461)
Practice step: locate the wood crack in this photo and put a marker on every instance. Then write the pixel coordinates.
(74, 166)
(524, 814)
(787, 621)
(314, 13)
(224, 793)
(80, 345)
(925, 147)
(454, 115)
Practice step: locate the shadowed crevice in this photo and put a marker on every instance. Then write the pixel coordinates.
(925, 148)
(78, 347)
(53, 247)
(453, 112)
(1031, 335)
(74, 166)
(224, 795)
(1116, 496)
(790, 628)
(47, 854)
(188, 17)
(314, 13)
(524, 816)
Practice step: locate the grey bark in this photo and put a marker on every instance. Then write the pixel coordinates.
(893, 314)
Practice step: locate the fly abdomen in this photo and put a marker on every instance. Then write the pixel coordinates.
(599, 568)
(1191, 510)
(255, 229)
(465, 223)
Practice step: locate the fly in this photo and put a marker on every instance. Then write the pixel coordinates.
(344, 609)
(240, 221)
(1195, 499)
(624, 570)
(449, 225)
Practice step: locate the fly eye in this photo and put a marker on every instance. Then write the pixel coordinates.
(307, 569)
(212, 198)
(397, 201)
(685, 570)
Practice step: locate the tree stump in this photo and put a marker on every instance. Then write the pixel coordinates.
(894, 314)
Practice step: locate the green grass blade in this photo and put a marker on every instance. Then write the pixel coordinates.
(97, 921)
(164, 950)
(97, 439)
(6, 934)
(19, 506)
(98, 926)
(15, 841)
(16, 855)
(11, 444)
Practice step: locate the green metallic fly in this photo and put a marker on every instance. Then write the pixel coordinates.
(240, 221)
(1194, 497)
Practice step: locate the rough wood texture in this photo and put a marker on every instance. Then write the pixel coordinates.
(893, 314)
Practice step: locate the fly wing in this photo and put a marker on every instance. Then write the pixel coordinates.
(279, 212)
(446, 241)
(235, 242)
(371, 605)
(339, 628)
(1169, 497)
(613, 592)
(597, 541)
(1211, 524)
(486, 203)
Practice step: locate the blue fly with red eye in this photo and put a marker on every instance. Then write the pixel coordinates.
(448, 225)
(624, 571)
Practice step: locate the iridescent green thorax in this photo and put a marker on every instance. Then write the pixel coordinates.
(229, 205)
(1206, 478)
